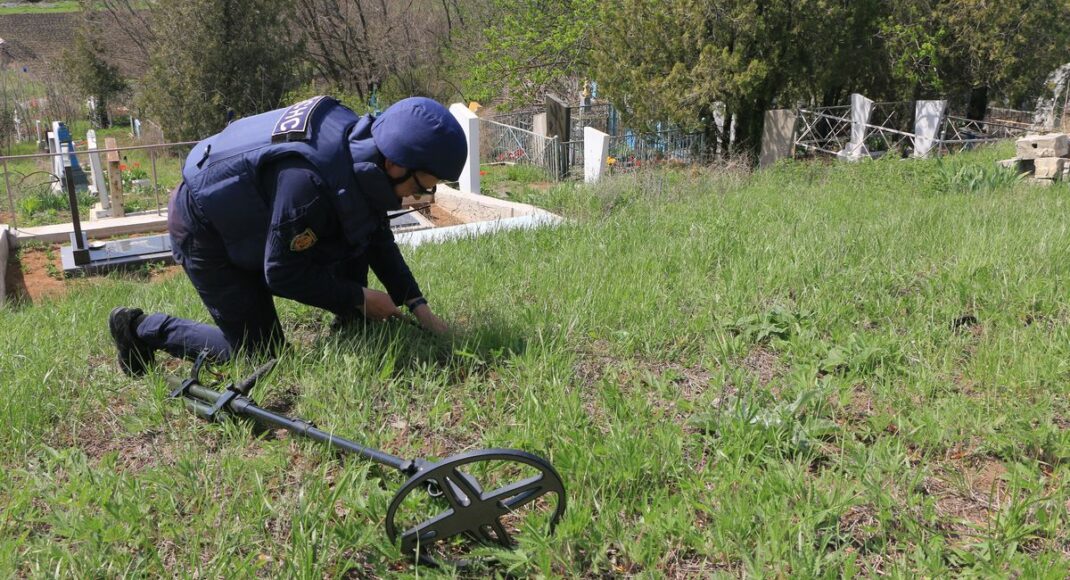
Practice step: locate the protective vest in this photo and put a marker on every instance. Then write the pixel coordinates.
(222, 173)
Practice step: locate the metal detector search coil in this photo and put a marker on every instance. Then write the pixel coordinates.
(465, 514)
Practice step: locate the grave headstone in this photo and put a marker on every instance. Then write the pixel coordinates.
(778, 136)
(115, 178)
(64, 143)
(558, 124)
(928, 117)
(538, 126)
(595, 152)
(861, 109)
(99, 186)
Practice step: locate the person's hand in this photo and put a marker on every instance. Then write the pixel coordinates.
(378, 305)
(430, 322)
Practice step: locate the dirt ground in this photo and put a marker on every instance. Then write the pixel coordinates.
(29, 277)
(442, 218)
(35, 274)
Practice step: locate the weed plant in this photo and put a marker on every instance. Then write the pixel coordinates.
(821, 369)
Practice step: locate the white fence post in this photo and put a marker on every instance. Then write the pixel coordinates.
(927, 118)
(469, 181)
(595, 151)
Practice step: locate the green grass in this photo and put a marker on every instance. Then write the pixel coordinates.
(815, 370)
(519, 182)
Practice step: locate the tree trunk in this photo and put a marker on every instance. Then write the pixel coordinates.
(978, 104)
(726, 133)
(749, 129)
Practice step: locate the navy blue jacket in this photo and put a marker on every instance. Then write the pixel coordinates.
(296, 193)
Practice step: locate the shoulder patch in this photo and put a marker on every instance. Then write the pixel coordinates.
(303, 240)
(293, 125)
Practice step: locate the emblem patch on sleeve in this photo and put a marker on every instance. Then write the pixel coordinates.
(303, 241)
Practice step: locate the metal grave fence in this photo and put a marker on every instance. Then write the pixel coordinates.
(890, 130)
(30, 184)
(501, 143)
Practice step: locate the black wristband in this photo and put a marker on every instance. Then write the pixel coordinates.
(417, 303)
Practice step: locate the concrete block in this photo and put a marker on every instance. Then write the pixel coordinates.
(1041, 146)
(1049, 168)
(1018, 165)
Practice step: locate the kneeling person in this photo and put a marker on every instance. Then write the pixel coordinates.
(293, 203)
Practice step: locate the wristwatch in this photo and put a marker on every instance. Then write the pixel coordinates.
(416, 304)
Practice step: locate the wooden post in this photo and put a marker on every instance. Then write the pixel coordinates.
(115, 178)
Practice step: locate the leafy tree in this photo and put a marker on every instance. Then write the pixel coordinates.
(680, 61)
(533, 46)
(86, 68)
(1003, 50)
(214, 56)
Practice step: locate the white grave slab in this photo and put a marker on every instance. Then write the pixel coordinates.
(861, 109)
(100, 185)
(469, 181)
(928, 116)
(595, 152)
(54, 146)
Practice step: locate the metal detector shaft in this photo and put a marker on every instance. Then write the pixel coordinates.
(202, 399)
(471, 510)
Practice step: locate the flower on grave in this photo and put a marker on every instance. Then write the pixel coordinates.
(611, 160)
(122, 167)
(137, 164)
(482, 172)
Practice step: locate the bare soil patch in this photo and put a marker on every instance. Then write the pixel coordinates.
(35, 274)
(691, 383)
(967, 493)
(442, 218)
(763, 364)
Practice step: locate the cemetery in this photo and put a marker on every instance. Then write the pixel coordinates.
(779, 294)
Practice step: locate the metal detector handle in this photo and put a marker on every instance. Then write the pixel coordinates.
(249, 382)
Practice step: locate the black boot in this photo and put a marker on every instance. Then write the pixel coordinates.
(135, 355)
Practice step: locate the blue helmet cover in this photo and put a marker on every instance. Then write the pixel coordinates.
(420, 134)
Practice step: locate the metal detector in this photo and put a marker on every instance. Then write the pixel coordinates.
(455, 515)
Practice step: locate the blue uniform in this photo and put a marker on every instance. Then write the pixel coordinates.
(290, 203)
